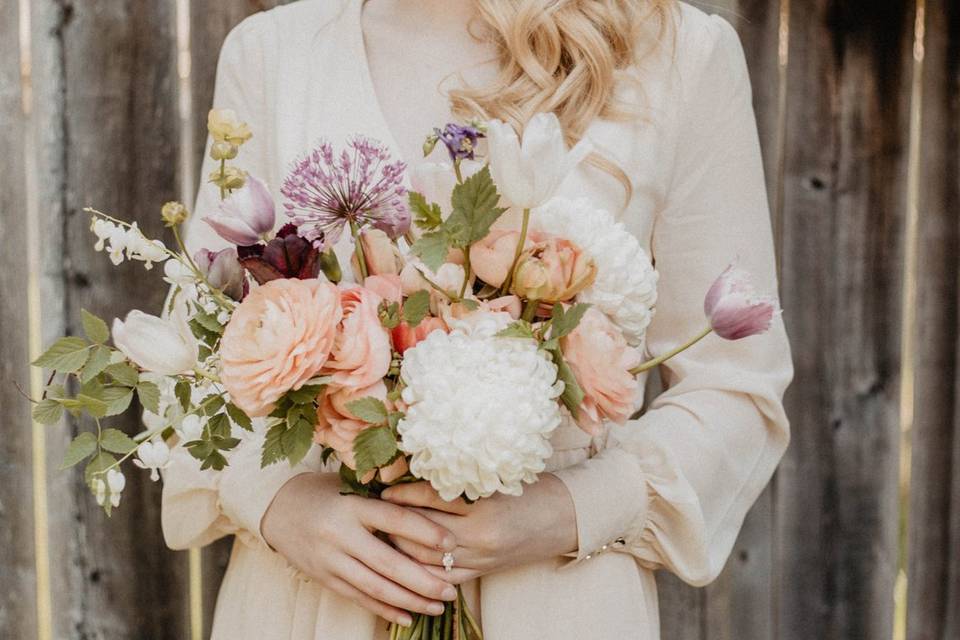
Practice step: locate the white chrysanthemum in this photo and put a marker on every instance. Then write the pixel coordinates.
(626, 284)
(480, 410)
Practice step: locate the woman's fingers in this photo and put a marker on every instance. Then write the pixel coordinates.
(400, 521)
(456, 576)
(421, 494)
(388, 562)
(385, 611)
(383, 590)
(420, 553)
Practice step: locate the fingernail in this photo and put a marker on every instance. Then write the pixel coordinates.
(435, 609)
(404, 620)
(450, 593)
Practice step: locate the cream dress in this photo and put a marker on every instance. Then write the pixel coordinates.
(667, 491)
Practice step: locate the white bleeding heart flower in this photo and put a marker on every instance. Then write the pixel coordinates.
(153, 455)
(111, 489)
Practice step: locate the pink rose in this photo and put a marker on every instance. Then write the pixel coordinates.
(279, 337)
(601, 361)
(553, 270)
(337, 428)
(361, 352)
(734, 309)
(492, 257)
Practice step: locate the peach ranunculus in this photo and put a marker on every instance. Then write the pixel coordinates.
(601, 361)
(406, 337)
(337, 428)
(492, 257)
(361, 352)
(553, 270)
(279, 337)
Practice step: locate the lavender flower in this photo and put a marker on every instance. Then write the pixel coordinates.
(361, 186)
(461, 140)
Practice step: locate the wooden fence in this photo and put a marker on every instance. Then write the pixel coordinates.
(859, 113)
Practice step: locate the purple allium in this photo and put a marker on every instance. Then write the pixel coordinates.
(461, 140)
(362, 184)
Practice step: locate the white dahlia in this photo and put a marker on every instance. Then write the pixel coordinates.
(626, 284)
(480, 410)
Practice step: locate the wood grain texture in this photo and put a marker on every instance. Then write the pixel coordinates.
(934, 549)
(845, 195)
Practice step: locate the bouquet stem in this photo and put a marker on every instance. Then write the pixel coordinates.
(650, 364)
(524, 228)
(455, 623)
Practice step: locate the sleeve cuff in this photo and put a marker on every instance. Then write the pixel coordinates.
(609, 497)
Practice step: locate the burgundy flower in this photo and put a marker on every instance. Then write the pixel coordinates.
(286, 256)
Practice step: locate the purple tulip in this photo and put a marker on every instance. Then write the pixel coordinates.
(734, 309)
(286, 256)
(246, 215)
(223, 271)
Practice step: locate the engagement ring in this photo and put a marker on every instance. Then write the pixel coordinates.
(448, 562)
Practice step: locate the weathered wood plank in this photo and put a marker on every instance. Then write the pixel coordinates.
(120, 129)
(847, 133)
(17, 599)
(934, 558)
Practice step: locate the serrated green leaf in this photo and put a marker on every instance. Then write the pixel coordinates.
(474, 209)
(209, 322)
(149, 395)
(184, 393)
(432, 248)
(94, 406)
(212, 404)
(389, 314)
(47, 411)
(117, 441)
(373, 448)
(350, 484)
(82, 447)
(214, 460)
(124, 373)
(239, 418)
(518, 329)
(426, 216)
(219, 426)
(95, 328)
(283, 443)
(98, 361)
(572, 396)
(117, 399)
(306, 394)
(416, 307)
(369, 409)
(564, 321)
(100, 463)
(67, 355)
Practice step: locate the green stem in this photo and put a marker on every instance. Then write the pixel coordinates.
(650, 364)
(456, 169)
(358, 249)
(530, 310)
(466, 271)
(223, 176)
(516, 256)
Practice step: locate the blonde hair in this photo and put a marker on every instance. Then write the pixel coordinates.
(562, 56)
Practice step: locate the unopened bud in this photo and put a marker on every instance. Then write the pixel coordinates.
(174, 213)
(224, 150)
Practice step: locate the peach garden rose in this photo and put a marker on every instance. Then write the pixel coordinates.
(279, 337)
(361, 352)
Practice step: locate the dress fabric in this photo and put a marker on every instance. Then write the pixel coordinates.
(667, 491)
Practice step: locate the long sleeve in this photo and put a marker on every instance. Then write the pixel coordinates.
(674, 486)
(202, 506)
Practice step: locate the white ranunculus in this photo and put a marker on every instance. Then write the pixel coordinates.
(153, 455)
(528, 173)
(626, 285)
(156, 344)
(480, 411)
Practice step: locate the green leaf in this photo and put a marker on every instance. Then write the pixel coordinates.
(124, 373)
(572, 396)
(283, 443)
(95, 328)
(374, 448)
(47, 411)
(184, 394)
(350, 484)
(369, 409)
(117, 441)
(209, 322)
(117, 399)
(432, 248)
(239, 418)
(219, 426)
(389, 314)
(305, 395)
(100, 463)
(149, 395)
(98, 361)
(518, 329)
(67, 355)
(426, 216)
(94, 406)
(474, 209)
(82, 447)
(566, 320)
(416, 307)
(214, 460)
(212, 404)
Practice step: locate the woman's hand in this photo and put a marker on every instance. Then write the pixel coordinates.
(494, 533)
(329, 537)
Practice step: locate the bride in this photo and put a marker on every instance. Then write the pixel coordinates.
(661, 90)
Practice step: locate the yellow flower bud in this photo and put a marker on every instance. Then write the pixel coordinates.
(531, 279)
(174, 213)
(223, 150)
(224, 126)
(232, 178)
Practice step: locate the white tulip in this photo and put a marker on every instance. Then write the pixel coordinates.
(153, 455)
(528, 174)
(156, 344)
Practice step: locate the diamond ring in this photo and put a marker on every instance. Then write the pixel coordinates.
(447, 562)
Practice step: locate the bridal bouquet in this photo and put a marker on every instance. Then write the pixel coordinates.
(456, 349)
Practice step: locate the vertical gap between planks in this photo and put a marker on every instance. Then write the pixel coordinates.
(909, 318)
(41, 536)
(186, 135)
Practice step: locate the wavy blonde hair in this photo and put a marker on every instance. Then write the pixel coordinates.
(564, 56)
